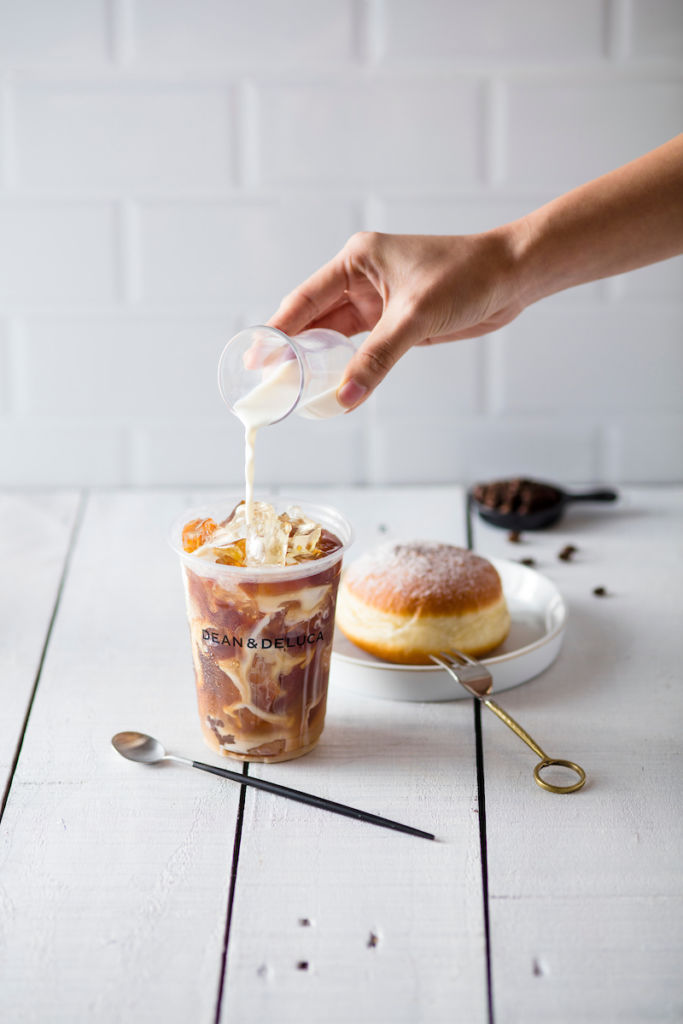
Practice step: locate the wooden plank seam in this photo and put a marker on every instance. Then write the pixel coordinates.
(481, 804)
(75, 530)
(231, 892)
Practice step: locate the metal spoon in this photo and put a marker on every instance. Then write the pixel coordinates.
(138, 746)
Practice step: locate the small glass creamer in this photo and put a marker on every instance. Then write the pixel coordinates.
(264, 375)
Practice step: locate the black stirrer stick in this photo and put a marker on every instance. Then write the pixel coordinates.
(312, 801)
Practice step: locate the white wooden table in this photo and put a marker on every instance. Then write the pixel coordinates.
(131, 893)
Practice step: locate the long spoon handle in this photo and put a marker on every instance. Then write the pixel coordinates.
(313, 801)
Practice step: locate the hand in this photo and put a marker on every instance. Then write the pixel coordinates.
(406, 290)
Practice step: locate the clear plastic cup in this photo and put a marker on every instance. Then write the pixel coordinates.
(262, 642)
(262, 367)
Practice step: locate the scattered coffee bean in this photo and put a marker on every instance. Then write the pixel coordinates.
(528, 561)
(514, 536)
(567, 553)
(600, 591)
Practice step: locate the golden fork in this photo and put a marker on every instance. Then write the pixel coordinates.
(477, 680)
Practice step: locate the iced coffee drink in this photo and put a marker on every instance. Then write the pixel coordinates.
(261, 598)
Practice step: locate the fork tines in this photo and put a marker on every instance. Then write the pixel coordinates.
(469, 672)
(464, 658)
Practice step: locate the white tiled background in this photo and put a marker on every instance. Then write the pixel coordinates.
(170, 168)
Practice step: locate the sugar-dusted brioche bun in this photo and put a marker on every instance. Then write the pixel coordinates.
(405, 601)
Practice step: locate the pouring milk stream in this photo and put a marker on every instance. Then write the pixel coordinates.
(300, 374)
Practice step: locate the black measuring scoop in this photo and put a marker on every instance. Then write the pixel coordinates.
(521, 504)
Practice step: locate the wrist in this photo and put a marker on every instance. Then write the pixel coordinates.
(526, 270)
(509, 255)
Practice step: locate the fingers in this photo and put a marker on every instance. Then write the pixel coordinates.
(344, 319)
(363, 287)
(382, 349)
(312, 299)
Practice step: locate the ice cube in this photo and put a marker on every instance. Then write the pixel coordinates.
(304, 537)
(223, 536)
(197, 533)
(231, 554)
(268, 536)
(269, 539)
(234, 527)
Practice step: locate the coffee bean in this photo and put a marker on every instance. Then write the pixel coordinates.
(527, 561)
(600, 591)
(514, 536)
(565, 555)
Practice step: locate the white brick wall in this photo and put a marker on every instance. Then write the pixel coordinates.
(564, 361)
(33, 31)
(170, 168)
(657, 29)
(527, 30)
(373, 133)
(4, 373)
(260, 35)
(243, 254)
(57, 254)
(122, 138)
(560, 131)
(151, 361)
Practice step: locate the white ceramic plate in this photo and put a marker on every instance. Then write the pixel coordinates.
(538, 618)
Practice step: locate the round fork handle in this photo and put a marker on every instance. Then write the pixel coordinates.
(545, 762)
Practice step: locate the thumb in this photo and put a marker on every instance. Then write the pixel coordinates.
(391, 337)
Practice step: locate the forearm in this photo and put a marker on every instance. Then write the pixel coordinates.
(626, 219)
